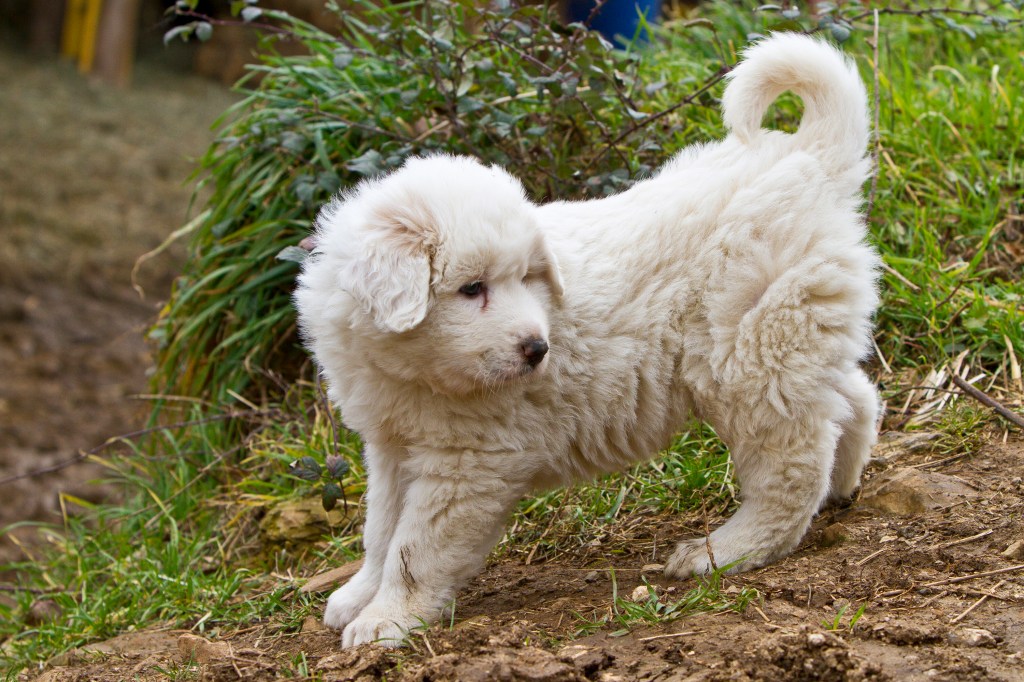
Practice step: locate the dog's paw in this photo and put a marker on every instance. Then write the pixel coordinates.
(693, 558)
(373, 628)
(345, 603)
(690, 558)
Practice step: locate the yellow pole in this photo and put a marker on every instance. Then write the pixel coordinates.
(90, 26)
(70, 37)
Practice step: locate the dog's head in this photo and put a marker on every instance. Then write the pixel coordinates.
(448, 271)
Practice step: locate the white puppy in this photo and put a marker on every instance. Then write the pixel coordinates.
(484, 346)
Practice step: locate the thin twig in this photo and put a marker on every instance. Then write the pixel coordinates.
(962, 541)
(950, 581)
(85, 454)
(974, 576)
(988, 401)
(930, 12)
(715, 78)
(878, 140)
(937, 462)
(871, 556)
(707, 533)
(30, 590)
(674, 634)
(975, 604)
(551, 523)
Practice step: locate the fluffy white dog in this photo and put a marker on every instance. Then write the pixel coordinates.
(484, 346)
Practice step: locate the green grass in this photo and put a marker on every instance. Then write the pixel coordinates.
(183, 547)
(693, 473)
(657, 608)
(949, 197)
(836, 624)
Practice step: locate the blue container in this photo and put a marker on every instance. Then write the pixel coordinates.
(617, 20)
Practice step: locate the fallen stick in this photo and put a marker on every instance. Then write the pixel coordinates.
(961, 541)
(869, 557)
(975, 605)
(674, 634)
(988, 401)
(965, 578)
(950, 581)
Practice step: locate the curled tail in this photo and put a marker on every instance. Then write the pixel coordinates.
(835, 121)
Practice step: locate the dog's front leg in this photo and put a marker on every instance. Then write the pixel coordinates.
(383, 504)
(454, 512)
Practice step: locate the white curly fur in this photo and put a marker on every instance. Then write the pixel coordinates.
(735, 286)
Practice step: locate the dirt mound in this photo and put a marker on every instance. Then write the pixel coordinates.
(936, 594)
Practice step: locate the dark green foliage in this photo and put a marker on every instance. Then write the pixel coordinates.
(553, 104)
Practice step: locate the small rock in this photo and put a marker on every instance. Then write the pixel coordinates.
(312, 624)
(195, 648)
(906, 491)
(42, 611)
(641, 593)
(816, 639)
(974, 637)
(894, 445)
(360, 663)
(833, 535)
(592, 577)
(586, 659)
(1015, 550)
(67, 658)
(301, 520)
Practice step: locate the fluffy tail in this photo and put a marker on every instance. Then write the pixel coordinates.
(835, 121)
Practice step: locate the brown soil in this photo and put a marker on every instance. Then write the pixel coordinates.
(90, 178)
(915, 554)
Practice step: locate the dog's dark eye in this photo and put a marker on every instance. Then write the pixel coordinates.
(473, 289)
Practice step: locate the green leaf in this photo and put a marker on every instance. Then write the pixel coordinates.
(204, 30)
(310, 463)
(342, 58)
(305, 468)
(251, 13)
(293, 254)
(840, 32)
(337, 467)
(182, 32)
(332, 492)
(368, 164)
(293, 142)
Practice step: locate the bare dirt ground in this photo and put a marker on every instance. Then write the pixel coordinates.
(931, 550)
(90, 178)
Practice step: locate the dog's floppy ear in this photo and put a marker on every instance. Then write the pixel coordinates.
(389, 275)
(552, 274)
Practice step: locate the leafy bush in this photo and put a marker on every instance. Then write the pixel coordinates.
(571, 117)
(555, 105)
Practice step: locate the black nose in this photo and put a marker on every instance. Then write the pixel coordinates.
(534, 350)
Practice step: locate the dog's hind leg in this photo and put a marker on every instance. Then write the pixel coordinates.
(859, 434)
(383, 505)
(784, 477)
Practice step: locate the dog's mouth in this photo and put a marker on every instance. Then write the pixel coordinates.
(513, 373)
